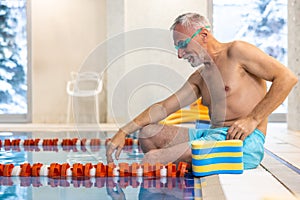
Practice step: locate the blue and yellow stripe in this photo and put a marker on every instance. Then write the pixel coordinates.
(217, 157)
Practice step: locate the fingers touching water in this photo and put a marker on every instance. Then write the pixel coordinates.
(115, 145)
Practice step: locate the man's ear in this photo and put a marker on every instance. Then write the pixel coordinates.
(204, 35)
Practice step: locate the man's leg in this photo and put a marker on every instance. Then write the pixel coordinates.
(157, 136)
(165, 144)
(175, 154)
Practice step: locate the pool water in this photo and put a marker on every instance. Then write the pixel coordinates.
(15, 187)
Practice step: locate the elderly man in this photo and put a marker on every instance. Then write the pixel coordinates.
(231, 80)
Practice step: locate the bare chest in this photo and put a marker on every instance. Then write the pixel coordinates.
(231, 90)
(220, 84)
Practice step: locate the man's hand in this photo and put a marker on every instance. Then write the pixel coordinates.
(116, 143)
(241, 128)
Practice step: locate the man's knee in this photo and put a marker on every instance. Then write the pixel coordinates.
(145, 131)
(146, 137)
(150, 131)
(146, 144)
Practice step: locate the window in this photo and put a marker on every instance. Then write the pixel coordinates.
(262, 23)
(14, 71)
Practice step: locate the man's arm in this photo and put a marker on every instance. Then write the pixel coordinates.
(261, 65)
(186, 95)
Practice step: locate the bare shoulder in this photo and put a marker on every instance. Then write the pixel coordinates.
(255, 61)
(240, 48)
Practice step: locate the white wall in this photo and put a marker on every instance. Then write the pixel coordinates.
(135, 80)
(159, 14)
(63, 33)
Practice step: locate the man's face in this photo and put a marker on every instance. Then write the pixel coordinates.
(188, 45)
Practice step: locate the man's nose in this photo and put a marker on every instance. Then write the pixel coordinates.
(180, 53)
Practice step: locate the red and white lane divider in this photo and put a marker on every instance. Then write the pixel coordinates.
(62, 142)
(55, 170)
(135, 148)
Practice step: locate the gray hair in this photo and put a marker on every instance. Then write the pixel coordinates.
(190, 20)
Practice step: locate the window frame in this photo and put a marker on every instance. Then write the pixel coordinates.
(24, 118)
(274, 117)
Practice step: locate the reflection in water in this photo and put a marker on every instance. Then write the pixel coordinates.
(12, 155)
(116, 187)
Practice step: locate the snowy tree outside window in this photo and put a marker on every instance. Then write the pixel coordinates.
(262, 23)
(13, 57)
